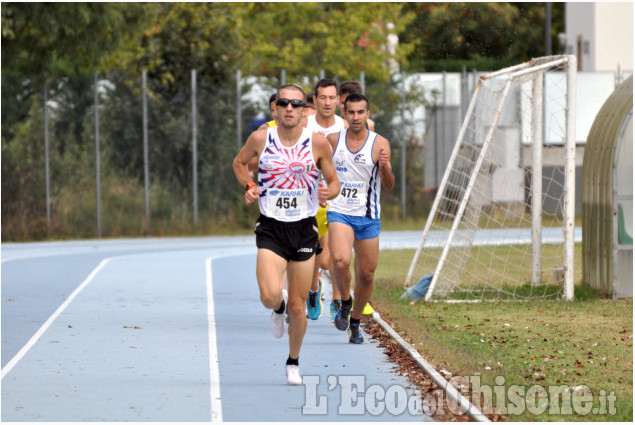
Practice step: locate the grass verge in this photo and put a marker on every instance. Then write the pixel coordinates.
(566, 346)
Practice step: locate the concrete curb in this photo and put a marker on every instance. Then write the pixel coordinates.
(450, 391)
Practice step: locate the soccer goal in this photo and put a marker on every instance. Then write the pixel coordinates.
(502, 222)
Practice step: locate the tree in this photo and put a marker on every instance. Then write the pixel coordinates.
(68, 42)
(484, 36)
(341, 39)
(178, 38)
(70, 38)
(216, 39)
(41, 41)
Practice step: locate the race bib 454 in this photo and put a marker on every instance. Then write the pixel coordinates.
(283, 203)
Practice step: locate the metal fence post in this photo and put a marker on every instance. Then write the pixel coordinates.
(239, 111)
(97, 158)
(464, 93)
(194, 151)
(403, 146)
(437, 158)
(548, 48)
(47, 169)
(146, 165)
(444, 119)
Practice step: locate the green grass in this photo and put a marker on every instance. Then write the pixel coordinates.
(396, 223)
(486, 267)
(536, 342)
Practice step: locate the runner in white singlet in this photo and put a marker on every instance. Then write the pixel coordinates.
(288, 192)
(362, 162)
(324, 121)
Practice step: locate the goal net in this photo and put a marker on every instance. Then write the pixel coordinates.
(502, 223)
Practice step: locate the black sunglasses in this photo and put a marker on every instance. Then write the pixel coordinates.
(295, 103)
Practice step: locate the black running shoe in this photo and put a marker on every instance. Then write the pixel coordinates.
(355, 334)
(342, 317)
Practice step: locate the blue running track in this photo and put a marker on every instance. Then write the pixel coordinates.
(172, 330)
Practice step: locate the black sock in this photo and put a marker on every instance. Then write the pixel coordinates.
(291, 361)
(281, 309)
(348, 302)
(354, 321)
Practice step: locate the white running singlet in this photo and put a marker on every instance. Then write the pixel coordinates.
(312, 124)
(288, 178)
(359, 179)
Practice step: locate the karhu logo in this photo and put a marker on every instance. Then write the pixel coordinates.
(305, 250)
(359, 159)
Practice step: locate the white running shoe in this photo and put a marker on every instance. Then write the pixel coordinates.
(293, 375)
(277, 321)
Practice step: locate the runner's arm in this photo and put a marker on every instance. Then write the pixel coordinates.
(324, 161)
(245, 159)
(383, 159)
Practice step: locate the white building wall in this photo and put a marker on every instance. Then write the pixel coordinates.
(614, 46)
(601, 35)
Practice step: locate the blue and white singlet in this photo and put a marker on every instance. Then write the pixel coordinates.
(288, 178)
(359, 179)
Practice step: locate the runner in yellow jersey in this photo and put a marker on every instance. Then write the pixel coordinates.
(273, 111)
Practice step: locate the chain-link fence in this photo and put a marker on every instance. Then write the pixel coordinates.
(127, 155)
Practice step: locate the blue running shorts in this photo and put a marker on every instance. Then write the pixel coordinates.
(364, 227)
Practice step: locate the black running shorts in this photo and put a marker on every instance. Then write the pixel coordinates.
(294, 241)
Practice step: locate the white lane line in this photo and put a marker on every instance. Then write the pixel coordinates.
(214, 374)
(34, 339)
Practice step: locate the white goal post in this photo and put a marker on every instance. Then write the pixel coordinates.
(502, 222)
